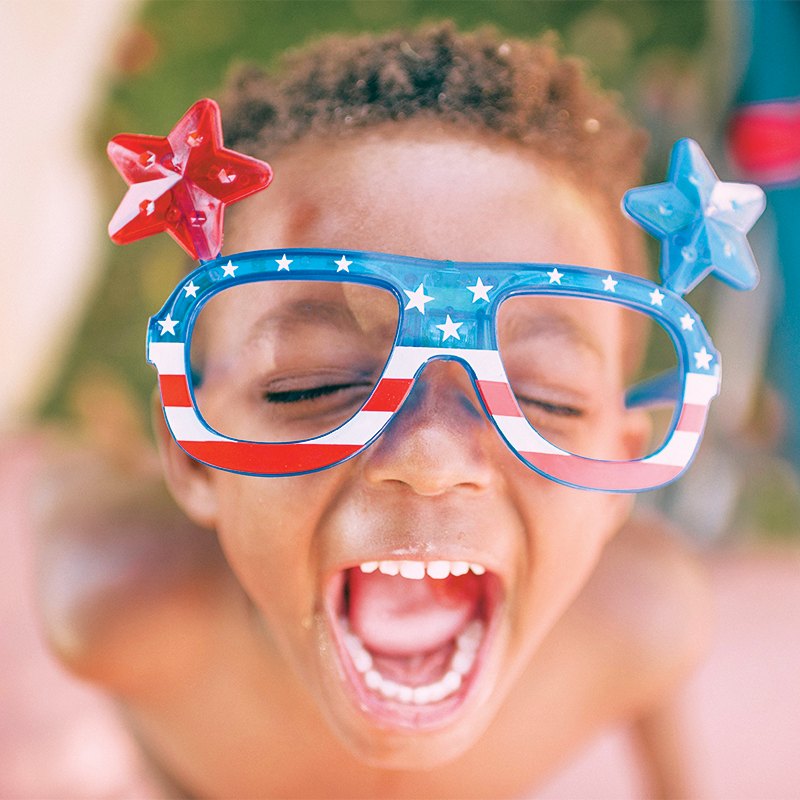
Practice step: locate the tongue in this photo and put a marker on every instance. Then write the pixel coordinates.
(397, 616)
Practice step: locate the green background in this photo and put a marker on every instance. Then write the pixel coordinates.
(181, 50)
(669, 59)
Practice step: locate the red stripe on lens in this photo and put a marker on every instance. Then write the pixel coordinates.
(174, 390)
(607, 475)
(268, 459)
(693, 418)
(499, 398)
(389, 394)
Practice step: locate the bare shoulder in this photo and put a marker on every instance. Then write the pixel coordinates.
(626, 642)
(648, 602)
(618, 653)
(128, 586)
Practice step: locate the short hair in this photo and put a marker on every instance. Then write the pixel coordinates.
(517, 90)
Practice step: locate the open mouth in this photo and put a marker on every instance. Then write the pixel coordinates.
(411, 635)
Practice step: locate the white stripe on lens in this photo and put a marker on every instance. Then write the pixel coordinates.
(678, 451)
(168, 357)
(700, 389)
(405, 361)
(361, 428)
(187, 427)
(523, 437)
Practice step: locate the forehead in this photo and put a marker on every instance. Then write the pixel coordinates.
(432, 193)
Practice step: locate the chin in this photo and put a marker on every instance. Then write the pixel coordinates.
(411, 751)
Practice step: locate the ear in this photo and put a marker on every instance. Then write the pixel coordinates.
(190, 482)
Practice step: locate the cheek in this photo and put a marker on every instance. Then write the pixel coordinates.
(612, 432)
(266, 527)
(567, 531)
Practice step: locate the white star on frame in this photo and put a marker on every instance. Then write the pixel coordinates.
(229, 269)
(450, 328)
(656, 297)
(479, 291)
(609, 283)
(703, 358)
(417, 299)
(687, 323)
(555, 276)
(343, 264)
(283, 262)
(168, 325)
(191, 289)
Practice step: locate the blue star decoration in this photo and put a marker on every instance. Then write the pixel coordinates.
(702, 222)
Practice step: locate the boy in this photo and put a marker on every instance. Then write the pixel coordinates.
(240, 664)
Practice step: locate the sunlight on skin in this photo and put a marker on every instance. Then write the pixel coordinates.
(439, 466)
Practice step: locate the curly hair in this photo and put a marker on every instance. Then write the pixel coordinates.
(518, 90)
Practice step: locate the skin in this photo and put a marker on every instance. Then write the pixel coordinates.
(398, 499)
(252, 703)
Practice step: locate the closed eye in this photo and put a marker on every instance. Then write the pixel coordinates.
(556, 409)
(298, 395)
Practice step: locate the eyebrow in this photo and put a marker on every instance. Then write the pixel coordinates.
(522, 325)
(306, 312)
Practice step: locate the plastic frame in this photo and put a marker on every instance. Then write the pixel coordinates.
(446, 312)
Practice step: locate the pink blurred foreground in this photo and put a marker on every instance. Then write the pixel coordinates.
(62, 739)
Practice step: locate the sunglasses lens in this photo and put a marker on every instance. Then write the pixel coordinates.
(593, 377)
(283, 361)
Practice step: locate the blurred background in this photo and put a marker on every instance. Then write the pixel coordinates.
(73, 311)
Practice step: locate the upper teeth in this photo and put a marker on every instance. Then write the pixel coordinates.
(416, 570)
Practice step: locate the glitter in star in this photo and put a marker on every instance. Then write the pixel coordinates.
(687, 323)
(656, 297)
(700, 220)
(229, 270)
(555, 276)
(191, 289)
(480, 291)
(344, 264)
(450, 329)
(283, 262)
(417, 299)
(703, 358)
(168, 324)
(181, 183)
(608, 284)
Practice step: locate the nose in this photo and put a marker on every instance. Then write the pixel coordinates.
(440, 439)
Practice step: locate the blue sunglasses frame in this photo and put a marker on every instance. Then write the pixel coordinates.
(701, 221)
(447, 311)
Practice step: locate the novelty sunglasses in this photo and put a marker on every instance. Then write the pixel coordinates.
(287, 362)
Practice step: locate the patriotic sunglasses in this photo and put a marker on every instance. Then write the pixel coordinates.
(287, 362)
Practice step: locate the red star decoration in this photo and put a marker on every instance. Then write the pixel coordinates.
(181, 183)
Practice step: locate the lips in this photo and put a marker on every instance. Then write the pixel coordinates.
(411, 636)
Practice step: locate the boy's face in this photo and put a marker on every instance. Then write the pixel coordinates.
(439, 485)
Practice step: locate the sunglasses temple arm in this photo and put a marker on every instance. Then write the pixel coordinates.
(659, 391)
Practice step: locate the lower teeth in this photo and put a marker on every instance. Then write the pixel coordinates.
(461, 663)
